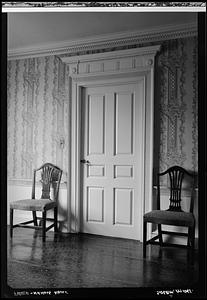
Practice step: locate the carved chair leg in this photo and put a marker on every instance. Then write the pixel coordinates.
(55, 219)
(144, 238)
(34, 218)
(43, 225)
(160, 234)
(11, 222)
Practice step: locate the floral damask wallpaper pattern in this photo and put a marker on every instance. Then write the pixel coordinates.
(38, 110)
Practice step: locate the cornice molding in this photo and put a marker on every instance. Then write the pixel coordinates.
(157, 34)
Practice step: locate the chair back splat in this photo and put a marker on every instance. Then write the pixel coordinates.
(49, 175)
(176, 175)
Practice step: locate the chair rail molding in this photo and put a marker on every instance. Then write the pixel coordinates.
(105, 41)
(103, 69)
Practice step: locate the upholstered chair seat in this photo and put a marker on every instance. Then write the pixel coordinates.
(177, 218)
(33, 204)
(50, 180)
(174, 215)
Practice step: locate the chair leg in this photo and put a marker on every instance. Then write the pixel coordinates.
(193, 238)
(191, 243)
(43, 225)
(160, 234)
(11, 222)
(55, 219)
(189, 237)
(34, 218)
(144, 238)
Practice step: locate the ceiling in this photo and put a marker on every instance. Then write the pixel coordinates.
(29, 29)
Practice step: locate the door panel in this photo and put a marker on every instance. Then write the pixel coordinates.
(123, 206)
(95, 171)
(123, 171)
(113, 135)
(124, 123)
(95, 204)
(96, 127)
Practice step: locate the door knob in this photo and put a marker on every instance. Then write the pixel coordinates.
(85, 161)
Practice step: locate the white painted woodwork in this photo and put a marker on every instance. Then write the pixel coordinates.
(111, 193)
(123, 212)
(95, 170)
(124, 122)
(123, 171)
(95, 125)
(94, 204)
(112, 62)
(113, 132)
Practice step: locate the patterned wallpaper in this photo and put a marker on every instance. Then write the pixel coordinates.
(38, 110)
(37, 115)
(177, 102)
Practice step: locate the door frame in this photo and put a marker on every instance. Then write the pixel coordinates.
(81, 75)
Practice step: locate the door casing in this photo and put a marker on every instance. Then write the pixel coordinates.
(80, 81)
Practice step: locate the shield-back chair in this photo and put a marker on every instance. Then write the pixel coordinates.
(50, 180)
(174, 215)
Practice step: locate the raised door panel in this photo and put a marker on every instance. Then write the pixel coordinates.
(95, 170)
(95, 204)
(123, 123)
(96, 124)
(123, 206)
(123, 171)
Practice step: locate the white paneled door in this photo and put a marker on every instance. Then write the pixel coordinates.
(112, 159)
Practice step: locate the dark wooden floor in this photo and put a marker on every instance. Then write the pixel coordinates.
(82, 260)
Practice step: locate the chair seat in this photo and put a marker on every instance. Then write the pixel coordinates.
(170, 218)
(33, 204)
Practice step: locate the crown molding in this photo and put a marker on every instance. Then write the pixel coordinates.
(119, 39)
